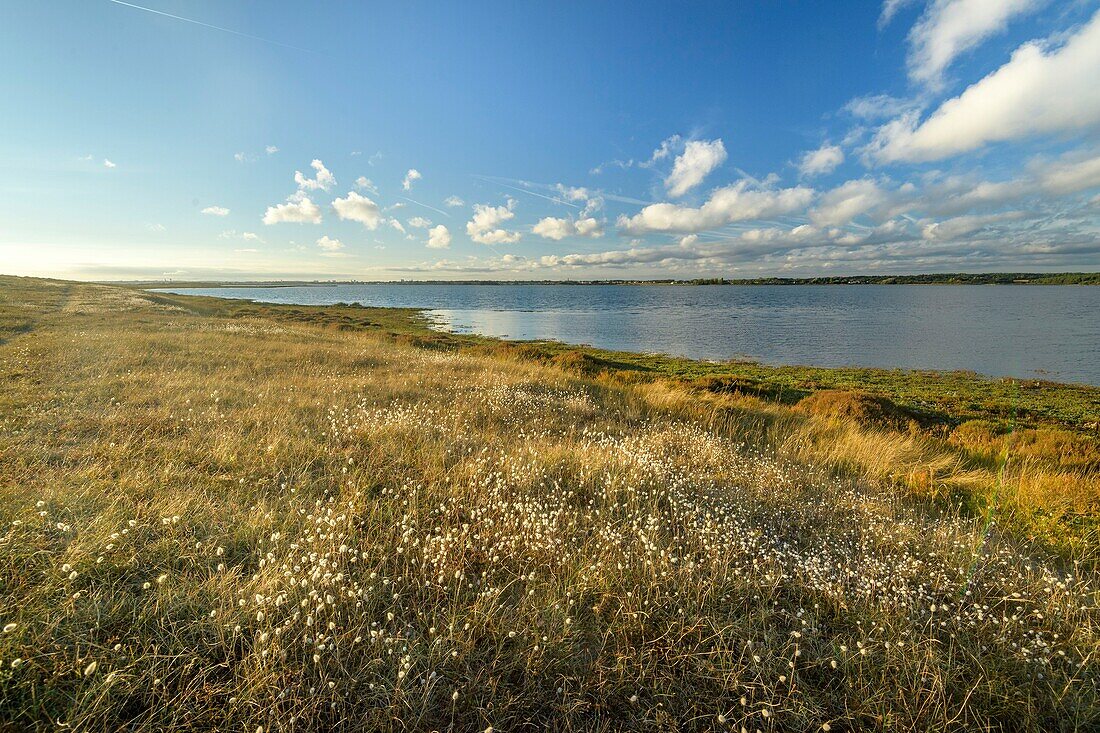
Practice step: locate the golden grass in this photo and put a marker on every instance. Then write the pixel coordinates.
(280, 522)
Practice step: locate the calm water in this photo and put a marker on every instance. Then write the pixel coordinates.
(1024, 331)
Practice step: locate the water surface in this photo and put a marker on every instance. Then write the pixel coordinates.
(1052, 332)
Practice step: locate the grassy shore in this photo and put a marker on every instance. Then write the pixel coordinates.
(232, 516)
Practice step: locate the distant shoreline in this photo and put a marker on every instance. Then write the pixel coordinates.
(1005, 278)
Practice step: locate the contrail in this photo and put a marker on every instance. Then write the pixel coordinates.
(555, 199)
(418, 203)
(598, 192)
(208, 25)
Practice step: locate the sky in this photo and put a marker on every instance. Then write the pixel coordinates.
(163, 139)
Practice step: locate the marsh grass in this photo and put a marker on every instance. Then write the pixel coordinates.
(300, 521)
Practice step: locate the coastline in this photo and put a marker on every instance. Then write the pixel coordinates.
(943, 397)
(997, 278)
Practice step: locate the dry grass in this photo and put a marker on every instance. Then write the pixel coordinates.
(260, 522)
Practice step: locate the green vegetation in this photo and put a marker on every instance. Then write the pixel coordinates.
(224, 515)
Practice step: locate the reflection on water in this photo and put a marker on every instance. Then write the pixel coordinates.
(1024, 331)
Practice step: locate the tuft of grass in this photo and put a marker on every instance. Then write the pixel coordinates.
(230, 517)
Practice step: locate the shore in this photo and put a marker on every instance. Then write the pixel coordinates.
(957, 278)
(226, 514)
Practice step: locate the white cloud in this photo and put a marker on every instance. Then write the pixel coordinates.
(271, 150)
(963, 225)
(1040, 90)
(108, 164)
(439, 237)
(485, 227)
(156, 227)
(366, 184)
(699, 158)
(356, 207)
(412, 175)
(572, 193)
(666, 148)
(251, 237)
(878, 107)
(245, 236)
(397, 225)
(419, 222)
(552, 228)
(822, 161)
(558, 229)
(240, 157)
(323, 180)
(844, 203)
(890, 8)
(216, 211)
(296, 210)
(454, 201)
(588, 227)
(330, 247)
(951, 27)
(737, 202)
(1070, 174)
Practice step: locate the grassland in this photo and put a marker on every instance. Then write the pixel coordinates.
(222, 515)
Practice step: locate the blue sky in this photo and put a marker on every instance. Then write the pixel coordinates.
(569, 140)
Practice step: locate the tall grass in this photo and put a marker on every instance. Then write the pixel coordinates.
(259, 523)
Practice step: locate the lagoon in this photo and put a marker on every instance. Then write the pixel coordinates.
(1027, 331)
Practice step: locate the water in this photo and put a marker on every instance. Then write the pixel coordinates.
(1050, 332)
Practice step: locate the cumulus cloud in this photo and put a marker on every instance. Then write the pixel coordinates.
(1040, 90)
(439, 237)
(663, 151)
(699, 158)
(323, 179)
(419, 222)
(950, 27)
(271, 150)
(553, 228)
(851, 199)
(741, 201)
(330, 247)
(454, 201)
(822, 161)
(216, 211)
(485, 228)
(412, 175)
(558, 229)
(959, 226)
(356, 207)
(573, 193)
(108, 164)
(296, 210)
